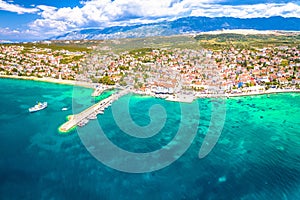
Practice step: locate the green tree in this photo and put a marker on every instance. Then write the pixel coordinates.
(284, 62)
(106, 80)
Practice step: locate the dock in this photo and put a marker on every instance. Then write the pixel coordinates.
(83, 117)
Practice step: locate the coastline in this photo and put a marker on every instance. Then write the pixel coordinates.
(270, 91)
(92, 86)
(50, 80)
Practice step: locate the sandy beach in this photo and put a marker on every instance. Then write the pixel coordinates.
(51, 80)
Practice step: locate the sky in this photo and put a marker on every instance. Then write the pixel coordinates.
(42, 19)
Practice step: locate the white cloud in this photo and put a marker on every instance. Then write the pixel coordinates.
(16, 8)
(99, 10)
(50, 25)
(8, 31)
(17, 32)
(18, 35)
(249, 11)
(69, 15)
(103, 13)
(45, 8)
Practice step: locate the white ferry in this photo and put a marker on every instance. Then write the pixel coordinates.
(38, 106)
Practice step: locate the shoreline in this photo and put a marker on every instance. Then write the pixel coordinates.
(199, 96)
(50, 80)
(211, 96)
(273, 91)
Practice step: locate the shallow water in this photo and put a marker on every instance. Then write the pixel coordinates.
(257, 155)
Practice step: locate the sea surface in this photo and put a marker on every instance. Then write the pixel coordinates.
(256, 157)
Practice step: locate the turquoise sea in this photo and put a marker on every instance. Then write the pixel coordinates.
(257, 155)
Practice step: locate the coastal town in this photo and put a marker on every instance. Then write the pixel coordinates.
(171, 70)
(162, 72)
(150, 99)
(22, 61)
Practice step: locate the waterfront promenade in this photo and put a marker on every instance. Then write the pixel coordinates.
(83, 117)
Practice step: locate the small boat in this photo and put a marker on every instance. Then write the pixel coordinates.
(81, 124)
(39, 106)
(64, 109)
(92, 117)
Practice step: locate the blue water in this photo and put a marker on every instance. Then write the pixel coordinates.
(256, 157)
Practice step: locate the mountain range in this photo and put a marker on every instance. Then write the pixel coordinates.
(183, 26)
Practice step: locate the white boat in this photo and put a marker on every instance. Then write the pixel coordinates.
(39, 106)
(64, 109)
(93, 116)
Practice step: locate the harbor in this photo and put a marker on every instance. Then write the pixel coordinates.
(91, 113)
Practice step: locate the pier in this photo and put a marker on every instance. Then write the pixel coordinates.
(83, 117)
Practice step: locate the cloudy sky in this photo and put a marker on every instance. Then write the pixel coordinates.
(38, 19)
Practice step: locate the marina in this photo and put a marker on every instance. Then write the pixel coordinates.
(91, 113)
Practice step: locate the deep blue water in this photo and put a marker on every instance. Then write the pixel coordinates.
(257, 155)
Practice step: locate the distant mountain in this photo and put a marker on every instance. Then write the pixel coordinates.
(184, 25)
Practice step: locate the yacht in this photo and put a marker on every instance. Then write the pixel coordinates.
(39, 106)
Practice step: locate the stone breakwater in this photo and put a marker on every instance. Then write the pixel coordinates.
(83, 117)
